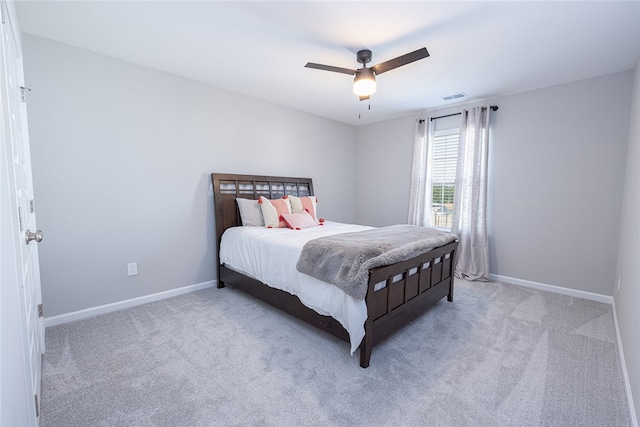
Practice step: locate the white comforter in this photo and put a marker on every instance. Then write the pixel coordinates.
(270, 255)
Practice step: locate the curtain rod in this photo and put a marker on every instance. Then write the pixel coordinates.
(493, 108)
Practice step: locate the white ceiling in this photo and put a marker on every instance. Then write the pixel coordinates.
(484, 49)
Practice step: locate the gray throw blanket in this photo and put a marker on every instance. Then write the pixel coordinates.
(345, 259)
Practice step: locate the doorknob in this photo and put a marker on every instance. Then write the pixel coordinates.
(37, 236)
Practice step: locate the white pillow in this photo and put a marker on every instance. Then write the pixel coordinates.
(250, 212)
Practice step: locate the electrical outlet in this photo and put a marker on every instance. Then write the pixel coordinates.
(132, 269)
(619, 279)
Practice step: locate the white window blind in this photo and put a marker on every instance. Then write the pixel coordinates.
(445, 158)
(443, 177)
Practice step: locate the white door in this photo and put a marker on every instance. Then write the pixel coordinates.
(22, 332)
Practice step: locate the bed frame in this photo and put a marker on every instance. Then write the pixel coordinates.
(409, 287)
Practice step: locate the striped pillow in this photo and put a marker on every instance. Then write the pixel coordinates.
(301, 204)
(272, 211)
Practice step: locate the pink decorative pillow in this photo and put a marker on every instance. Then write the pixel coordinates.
(272, 211)
(299, 220)
(301, 204)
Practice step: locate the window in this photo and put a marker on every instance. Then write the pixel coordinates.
(443, 177)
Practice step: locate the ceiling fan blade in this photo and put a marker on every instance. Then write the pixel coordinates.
(400, 61)
(364, 98)
(331, 68)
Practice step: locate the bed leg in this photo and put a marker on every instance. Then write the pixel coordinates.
(450, 295)
(220, 284)
(365, 348)
(365, 356)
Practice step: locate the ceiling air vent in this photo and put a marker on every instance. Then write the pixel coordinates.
(454, 96)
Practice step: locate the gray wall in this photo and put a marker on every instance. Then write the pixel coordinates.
(383, 171)
(121, 161)
(627, 299)
(557, 158)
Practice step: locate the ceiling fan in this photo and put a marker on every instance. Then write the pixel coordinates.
(364, 84)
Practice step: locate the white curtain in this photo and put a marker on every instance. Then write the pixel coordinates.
(420, 195)
(470, 199)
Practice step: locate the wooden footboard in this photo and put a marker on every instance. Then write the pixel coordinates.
(400, 292)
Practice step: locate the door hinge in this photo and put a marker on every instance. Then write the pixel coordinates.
(23, 93)
(20, 218)
(32, 208)
(35, 396)
(40, 311)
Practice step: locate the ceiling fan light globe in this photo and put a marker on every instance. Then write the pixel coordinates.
(364, 87)
(365, 82)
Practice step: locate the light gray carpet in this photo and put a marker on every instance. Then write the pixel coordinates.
(499, 355)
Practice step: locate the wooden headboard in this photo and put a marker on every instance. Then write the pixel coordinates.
(226, 187)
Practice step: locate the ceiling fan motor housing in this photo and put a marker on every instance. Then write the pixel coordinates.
(364, 56)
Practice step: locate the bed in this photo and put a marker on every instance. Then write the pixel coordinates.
(395, 295)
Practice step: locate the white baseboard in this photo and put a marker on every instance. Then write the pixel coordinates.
(555, 289)
(625, 375)
(120, 305)
(590, 296)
